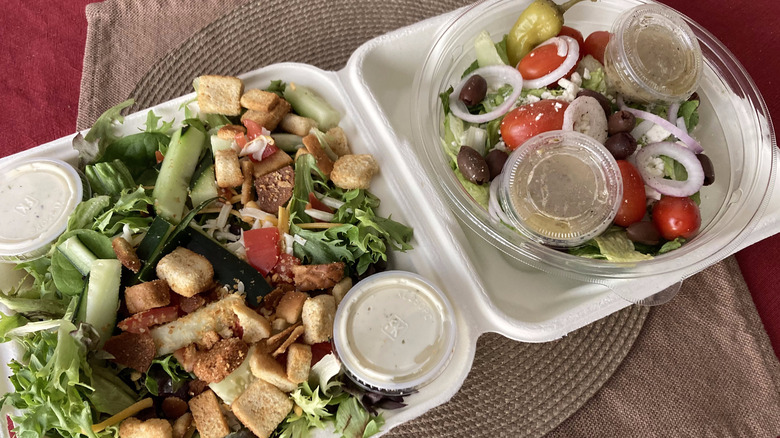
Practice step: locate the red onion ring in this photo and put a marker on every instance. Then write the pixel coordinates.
(572, 56)
(671, 127)
(682, 155)
(503, 74)
(673, 110)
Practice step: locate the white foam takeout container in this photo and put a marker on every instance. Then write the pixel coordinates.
(488, 293)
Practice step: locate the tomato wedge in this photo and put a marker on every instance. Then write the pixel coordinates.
(526, 121)
(253, 129)
(284, 266)
(262, 248)
(140, 322)
(317, 204)
(633, 206)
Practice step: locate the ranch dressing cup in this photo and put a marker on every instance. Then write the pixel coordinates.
(560, 188)
(653, 56)
(394, 332)
(38, 195)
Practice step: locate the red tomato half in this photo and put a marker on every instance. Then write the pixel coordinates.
(632, 207)
(596, 43)
(140, 322)
(253, 129)
(676, 217)
(262, 248)
(540, 61)
(526, 121)
(577, 35)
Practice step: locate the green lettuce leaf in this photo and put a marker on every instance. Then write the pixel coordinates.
(480, 193)
(689, 111)
(102, 131)
(596, 82)
(10, 322)
(136, 151)
(616, 247)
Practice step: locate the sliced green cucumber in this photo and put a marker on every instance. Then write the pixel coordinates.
(288, 142)
(307, 103)
(78, 254)
(99, 306)
(170, 190)
(205, 187)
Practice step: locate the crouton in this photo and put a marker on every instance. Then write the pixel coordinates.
(261, 408)
(340, 289)
(268, 119)
(220, 95)
(133, 350)
(254, 325)
(298, 362)
(275, 189)
(266, 368)
(337, 140)
(275, 161)
(206, 412)
(271, 300)
(186, 272)
(147, 295)
(317, 316)
(279, 324)
(290, 306)
(247, 186)
(208, 340)
(215, 364)
(354, 171)
(227, 168)
(229, 132)
(174, 407)
(324, 163)
(275, 341)
(296, 333)
(125, 253)
(217, 316)
(153, 428)
(182, 426)
(313, 277)
(295, 124)
(188, 304)
(187, 357)
(260, 100)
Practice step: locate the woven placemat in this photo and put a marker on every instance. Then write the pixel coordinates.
(514, 389)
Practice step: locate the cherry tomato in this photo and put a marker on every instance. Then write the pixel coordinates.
(540, 61)
(577, 35)
(596, 43)
(262, 248)
(676, 217)
(632, 207)
(316, 204)
(526, 121)
(140, 322)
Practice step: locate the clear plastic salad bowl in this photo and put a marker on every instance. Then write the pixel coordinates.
(734, 129)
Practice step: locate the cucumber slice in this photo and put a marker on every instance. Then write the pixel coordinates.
(486, 50)
(288, 142)
(78, 254)
(229, 388)
(99, 306)
(219, 144)
(205, 186)
(307, 103)
(170, 190)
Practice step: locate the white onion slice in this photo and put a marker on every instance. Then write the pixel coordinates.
(674, 109)
(328, 217)
(493, 74)
(671, 127)
(572, 55)
(680, 154)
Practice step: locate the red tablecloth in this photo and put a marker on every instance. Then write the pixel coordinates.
(42, 46)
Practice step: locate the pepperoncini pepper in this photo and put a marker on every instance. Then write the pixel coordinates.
(540, 21)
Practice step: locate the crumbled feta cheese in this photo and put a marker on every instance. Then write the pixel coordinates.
(501, 146)
(655, 167)
(655, 134)
(652, 194)
(532, 99)
(585, 74)
(570, 88)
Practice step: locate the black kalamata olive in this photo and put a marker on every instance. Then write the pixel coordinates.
(708, 168)
(495, 160)
(621, 145)
(603, 101)
(620, 121)
(473, 166)
(643, 232)
(694, 96)
(473, 91)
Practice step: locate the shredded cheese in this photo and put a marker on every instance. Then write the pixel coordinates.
(315, 225)
(284, 221)
(124, 414)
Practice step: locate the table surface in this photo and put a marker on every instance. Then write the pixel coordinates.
(43, 49)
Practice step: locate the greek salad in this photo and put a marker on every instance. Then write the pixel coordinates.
(194, 290)
(544, 76)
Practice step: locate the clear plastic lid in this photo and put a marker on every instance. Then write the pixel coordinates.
(560, 188)
(38, 195)
(394, 332)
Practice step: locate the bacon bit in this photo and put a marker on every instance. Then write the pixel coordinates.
(158, 156)
(140, 322)
(132, 350)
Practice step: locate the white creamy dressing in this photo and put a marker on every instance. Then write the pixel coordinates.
(37, 198)
(395, 332)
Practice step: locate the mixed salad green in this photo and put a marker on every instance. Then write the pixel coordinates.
(559, 83)
(161, 189)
